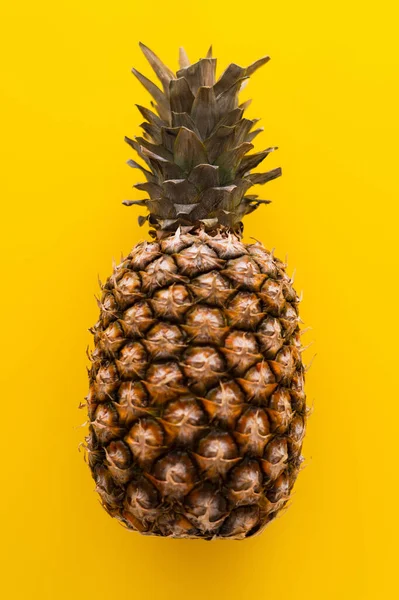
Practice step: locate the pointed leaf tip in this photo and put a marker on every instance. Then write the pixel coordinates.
(134, 202)
(163, 72)
(257, 64)
(155, 92)
(184, 61)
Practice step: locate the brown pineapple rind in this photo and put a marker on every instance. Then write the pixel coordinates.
(196, 397)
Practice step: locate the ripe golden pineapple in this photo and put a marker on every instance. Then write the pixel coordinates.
(196, 403)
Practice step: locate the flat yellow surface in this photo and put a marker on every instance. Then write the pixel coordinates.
(329, 99)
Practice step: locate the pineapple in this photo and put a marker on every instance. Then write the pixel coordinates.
(196, 403)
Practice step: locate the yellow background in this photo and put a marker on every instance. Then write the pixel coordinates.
(329, 99)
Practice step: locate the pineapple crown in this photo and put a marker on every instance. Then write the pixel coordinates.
(195, 147)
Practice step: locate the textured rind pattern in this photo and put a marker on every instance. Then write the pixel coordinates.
(196, 402)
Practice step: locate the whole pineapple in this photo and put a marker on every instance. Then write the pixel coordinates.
(196, 403)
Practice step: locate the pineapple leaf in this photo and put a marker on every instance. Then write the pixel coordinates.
(179, 191)
(205, 176)
(141, 220)
(163, 73)
(210, 200)
(135, 165)
(133, 144)
(231, 118)
(167, 223)
(209, 223)
(152, 189)
(168, 137)
(252, 135)
(221, 140)
(242, 186)
(184, 120)
(261, 178)
(229, 161)
(199, 74)
(132, 202)
(161, 207)
(228, 100)
(150, 116)
(152, 132)
(257, 64)
(252, 161)
(245, 105)
(181, 96)
(184, 61)
(156, 150)
(229, 78)
(167, 169)
(155, 92)
(189, 150)
(242, 129)
(204, 110)
(184, 209)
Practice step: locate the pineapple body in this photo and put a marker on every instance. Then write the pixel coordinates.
(196, 402)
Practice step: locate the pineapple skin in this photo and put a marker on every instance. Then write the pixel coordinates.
(196, 402)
